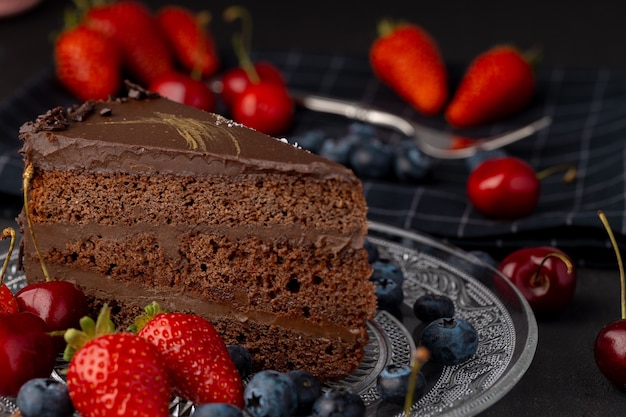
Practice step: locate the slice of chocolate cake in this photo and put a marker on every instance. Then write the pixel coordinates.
(142, 199)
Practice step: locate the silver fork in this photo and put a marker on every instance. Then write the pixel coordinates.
(433, 142)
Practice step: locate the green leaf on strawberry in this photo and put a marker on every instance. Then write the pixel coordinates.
(90, 330)
(114, 373)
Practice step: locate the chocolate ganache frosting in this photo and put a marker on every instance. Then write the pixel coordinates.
(154, 134)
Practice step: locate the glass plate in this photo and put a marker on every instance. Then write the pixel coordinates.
(505, 323)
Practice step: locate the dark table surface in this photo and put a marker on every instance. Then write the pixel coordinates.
(563, 379)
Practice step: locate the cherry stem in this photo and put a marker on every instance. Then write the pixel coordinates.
(8, 232)
(568, 263)
(570, 172)
(202, 21)
(242, 41)
(620, 264)
(418, 358)
(27, 177)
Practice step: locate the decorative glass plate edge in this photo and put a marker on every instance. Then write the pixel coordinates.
(527, 349)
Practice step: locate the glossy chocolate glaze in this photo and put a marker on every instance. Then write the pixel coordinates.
(156, 135)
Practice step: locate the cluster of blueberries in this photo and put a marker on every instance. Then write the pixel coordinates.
(362, 149)
(449, 340)
(268, 393)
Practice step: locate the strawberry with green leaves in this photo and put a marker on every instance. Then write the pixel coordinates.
(199, 365)
(497, 84)
(114, 374)
(87, 63)
(406, 58)
(190, 40)
(132, 26)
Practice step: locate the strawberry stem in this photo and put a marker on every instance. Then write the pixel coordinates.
(89, 330)
(620, 263)
(27, 177)
(385, 26)
(150, 311)
(8, 232)
(533, 55)
(418, 358)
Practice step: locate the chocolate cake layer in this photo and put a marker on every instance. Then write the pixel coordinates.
(149, 200)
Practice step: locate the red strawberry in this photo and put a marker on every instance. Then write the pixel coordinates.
(498, 83)
(8, 302)
(199, 365)
(407, 59)
(115, 374)
(189, 39)
(133, 27)
(87, 63)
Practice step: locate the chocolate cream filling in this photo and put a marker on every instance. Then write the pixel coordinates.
(176, 299)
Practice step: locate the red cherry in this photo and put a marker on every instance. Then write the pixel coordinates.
(26, 351)
(609, 349)
(60, 304)
(266, 107)
(503, 188)
(610, 352)
(545, 276)
(236, 80)
(184, 89)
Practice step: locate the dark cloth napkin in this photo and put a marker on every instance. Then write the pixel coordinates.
(588, 107)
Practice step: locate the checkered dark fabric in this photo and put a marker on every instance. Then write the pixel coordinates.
(588, 130)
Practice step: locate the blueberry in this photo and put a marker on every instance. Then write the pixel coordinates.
(270, 393)
(371, 160)
(384, 268)
(410, 163)
(393, 384)
(485, 257)
(339, 402)
(311, 140)
(362, 130)
(242, 359)
(43, 397)
(430, 307)
(389, 295)
(450, 341)
(217, 410)
(308, 388)
(372, 251)
(481, 156)
(337, 150)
